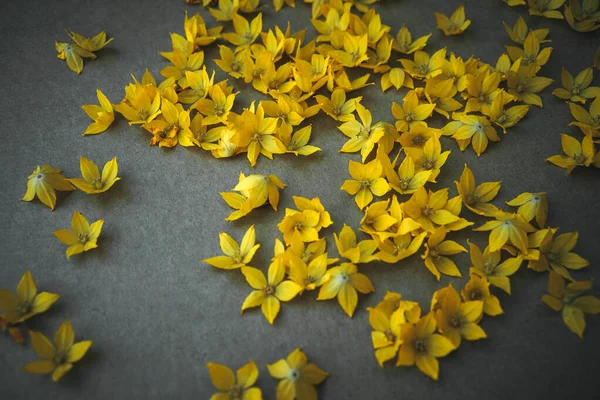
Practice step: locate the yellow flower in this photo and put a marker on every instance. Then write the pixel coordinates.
(141, 104)
(518, 33)
(245, 33)
(356, 252)
(344, 281)
(531, 205)
(314, 204)
(478, 288)
(226, 10)
(477, 198)
(456, 24)
(588, 122)
(366, 181)
(297, 143)
(476, 130)
(570, 301)
(236, 255)
(429, 158)
(482, 89)
(423, 347)
(397, 78)
(546, 8)
(404, 43)
(338, 108)
(217, 108)
(305, 223)
(488, 265)
(387, 333)
(254, 191)
(172, 128)
(182, 63)
(57, 358)
(363, 136)
(410, 113)
(92, 44)
(93, 182)
(428, 209)
(458, 320)
(82, 236)
(577, 89)
(72, 53)
(555, 253)
(269, 293)
(298, 378)
(505, 118)
(285, 110)
(582, 17)
(231, 62)
(407, 180)
(524, 85)
(354, 50)
(231, 388)
(530, 54)
(377, 221)
(308, 275)
(436, 251)
(441, 92)
(199, 85)
(102, 115)
(43, 182)
(26, 302)
(577, 154)
(507, 227)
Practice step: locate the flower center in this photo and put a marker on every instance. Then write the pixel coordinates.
(488, 268)
(343, 278)
(428, 164)
(420, 346)
(455, 321)
(294, 374)
(98, 183)
(82, 238)
(269, 290)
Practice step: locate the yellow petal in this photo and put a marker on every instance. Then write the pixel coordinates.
(40, 367)
(60, 371)
(574, 319)
(221, 376)
(348, 299)
(42, 346)
(27, 288)
(43, 302)
(254, 277)
(78, 350)
(64, 337)
(270, 308)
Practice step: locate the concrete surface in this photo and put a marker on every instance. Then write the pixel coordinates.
(157, 315)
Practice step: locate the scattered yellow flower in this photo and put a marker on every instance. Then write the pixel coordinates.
(298, 378)
(577, 154)
(457, 320)
(349, 248)
(103, 115)
(343, 282)
(531, 205)
(555, 253)
(577, 89)
(478, 288)
(231, 388)
(93, 182)
(456, 24)
(366, 181)
(477, 198)
(82, 236)
(26, 302)
(436, 251)
(43, 182)
(488, 266)
(507, 227)
(236, 255)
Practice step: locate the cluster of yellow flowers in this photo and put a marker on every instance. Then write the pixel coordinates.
(297, 379)
(581, 16)
(57, 358)
(578, 90)
(72, 53)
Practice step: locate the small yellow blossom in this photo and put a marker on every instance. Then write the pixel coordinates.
(410, 113)
(305, 223)
(231, 388)
(308, 275)
(363, 136)
(269, 293)
(555, 253)
(26, 302)
(488, 266)
(428, 209)
(456, 24)
(524, 85)
(92, 44)
(82, 236)
(366, 181)
(423, 347)
(531, 205)
(404, 43)
(93, 182)
(226, 10)
(43, 182)
(587, 121)
(343, 282)
(478, 288)
(236, 255)
(298, 378)
(103, 115)
(507, 227)
(530, 54)
(338, 107)
(429, 158)
(457, 320)
(518, 33)
(577, 89)
(477, 198)
(387, 334)
(73, 54)
(476, 130)
(569, 300)
(57, 358)
(349, 248)
(314, 204)
(245, 32)
(436, 251)
(546, 8)
(577, 154)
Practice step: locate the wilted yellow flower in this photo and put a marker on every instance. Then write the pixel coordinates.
(456, 24)
(269, 293)
(344, 281)
(236, 255)
(92, 44)
(421, 346)
(570, 302)
(231, 388)
(298, 378)
(26, 302)
(366, 181)
(102, 115)
(93, 182)
(57, 358)
(43, 182)
(82, 236)
(172, 128)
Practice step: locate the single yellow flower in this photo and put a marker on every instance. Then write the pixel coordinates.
(92, 44)
(441, 92)
(478, 289)
(378, 221)
(530, 54)
(428, 209)
(226, 10)
(524, 85)
(314, 204)
(354, 50)
(477, 198)
(231, 62)
(363, 136)
(269, 293)
(338, 107)
(436, 251)
(456, 24)
(457, 320)
(577, 154)
(546, 8)
(305, 223)
(366, 181)
(309, 252)
(245, 32)
(555, 253)
(349, 248)
(507, 227)
(298, 378)
(102, 115)
(408, 180)
(82, 236)
(404, 43)
(410, 113)
(93, 182)
(43, 182)
(172, 127)
(505, 118)
(57, 358)
(578, 88)
(231, 388)
(518, 33)
(397, 78)
(482, 89)
(423, 347)
(423, 66)
(488, 266)
(570, 302)
(308, 275)
(73, 54)
(429, 158)
(587, 121)
(236, 255)
(26, 302)
(386, 337)
(531, 205)
(200, 83)
(477, 131)
(259, 188)
(216, 109)
(343, 282)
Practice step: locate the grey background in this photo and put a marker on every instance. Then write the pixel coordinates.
(157, 315)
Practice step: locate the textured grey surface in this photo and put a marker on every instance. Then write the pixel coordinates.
(157, 315)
